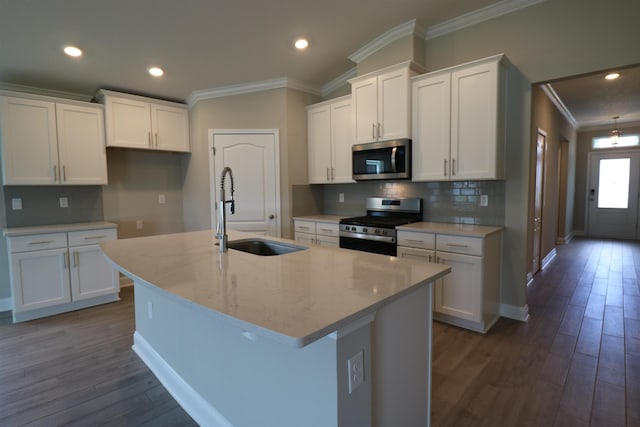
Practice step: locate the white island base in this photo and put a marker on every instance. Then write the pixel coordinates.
(223, 375)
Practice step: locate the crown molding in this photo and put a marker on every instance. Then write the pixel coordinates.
(45, 92)
(395, 33)
(338, 82)
(486, 13)
(239, 89)
(555, 99)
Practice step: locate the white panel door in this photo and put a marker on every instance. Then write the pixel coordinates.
(81, 145)
(29, 142)
(431, 128)
(613, 195)
(319, 144)
(253, 158)
(341, 141)
(128, 123)
(394, 117)
(365, 109)
(459, 293)
(91, 274)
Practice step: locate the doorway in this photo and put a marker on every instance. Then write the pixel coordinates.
(541, 147)
(253, 156)
(612, 195)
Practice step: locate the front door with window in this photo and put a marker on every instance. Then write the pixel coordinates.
(613, 195)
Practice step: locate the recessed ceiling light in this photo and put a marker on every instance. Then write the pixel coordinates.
(156, 71)
(612, 76)
(301, 44)
(72, 51)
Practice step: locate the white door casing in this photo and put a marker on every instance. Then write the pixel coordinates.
(253, 156)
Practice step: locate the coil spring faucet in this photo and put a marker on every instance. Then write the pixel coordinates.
(221, 229)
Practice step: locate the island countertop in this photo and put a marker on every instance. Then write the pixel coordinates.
(295, 298)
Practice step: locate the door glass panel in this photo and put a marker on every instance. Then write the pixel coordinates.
(613, 186)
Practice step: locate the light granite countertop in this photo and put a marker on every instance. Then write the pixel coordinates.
(320, 218)
(57, 228)
(448, 228)
(294, 298)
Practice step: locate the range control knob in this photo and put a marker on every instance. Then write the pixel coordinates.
(364, 230)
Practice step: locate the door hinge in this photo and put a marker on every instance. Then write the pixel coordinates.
(214, 150)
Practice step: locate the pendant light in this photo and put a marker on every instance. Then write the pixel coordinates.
(615, 133)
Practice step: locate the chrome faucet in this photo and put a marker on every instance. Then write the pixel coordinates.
(221, 229)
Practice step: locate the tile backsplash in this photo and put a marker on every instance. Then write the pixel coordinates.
(453, 202)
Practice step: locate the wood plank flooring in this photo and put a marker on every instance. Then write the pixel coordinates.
(575, 363)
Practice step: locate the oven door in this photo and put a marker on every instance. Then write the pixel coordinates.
(365, 245)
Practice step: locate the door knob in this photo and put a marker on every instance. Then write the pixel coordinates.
(272, 216)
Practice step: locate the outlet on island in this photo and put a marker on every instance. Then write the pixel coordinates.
(139, 224)
(64, 202)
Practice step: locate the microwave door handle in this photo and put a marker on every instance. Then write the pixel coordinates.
(394, 151)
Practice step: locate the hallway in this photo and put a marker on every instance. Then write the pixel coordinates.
(575, 363)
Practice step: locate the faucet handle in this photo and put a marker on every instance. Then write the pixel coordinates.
(233, 207)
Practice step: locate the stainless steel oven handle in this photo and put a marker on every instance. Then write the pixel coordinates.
(394, 151)
(372, 237)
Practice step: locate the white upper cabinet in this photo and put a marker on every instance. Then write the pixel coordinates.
(46, 142)
(458, 122)
(381, 104)
(330, 137)
(145, 123)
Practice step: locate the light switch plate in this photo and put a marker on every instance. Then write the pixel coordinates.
(162, 199)
(64, 202)
(484, 200)
(16, 204)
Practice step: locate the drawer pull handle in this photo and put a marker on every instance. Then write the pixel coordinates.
(415, 241)
(42, 242)
(302, 227)
(457, 245)
(94, 237)
(328, 230)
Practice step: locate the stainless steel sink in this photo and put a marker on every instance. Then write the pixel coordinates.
(263, 247)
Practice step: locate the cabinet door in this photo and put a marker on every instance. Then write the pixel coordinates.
(81, 147)
(170, 128)
(128, 123)
(431, 128)
(319, 144)
(365, 109)
(305, 238)
(459, 293)
(474, 118)
(91, 274)
(29, 145)
(330, 242)
(342, 141)
(394, 118)
(39, 279)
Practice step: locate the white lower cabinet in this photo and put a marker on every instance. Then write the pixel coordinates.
(469, 296)
(318, 232)
(52, 273)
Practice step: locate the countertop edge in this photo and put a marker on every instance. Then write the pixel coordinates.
(57, 228)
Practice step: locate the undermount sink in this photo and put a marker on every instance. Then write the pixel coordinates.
(263, 247)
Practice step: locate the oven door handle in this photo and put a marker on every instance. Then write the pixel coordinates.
(394, 151)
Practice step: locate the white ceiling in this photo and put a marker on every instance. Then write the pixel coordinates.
(209, 44)
(201, 44)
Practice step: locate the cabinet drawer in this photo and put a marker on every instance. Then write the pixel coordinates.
(332, 242)
(91, 237)
(327, 229)
(305, 227)
(459, 244)
(414, 239)
(37, 242)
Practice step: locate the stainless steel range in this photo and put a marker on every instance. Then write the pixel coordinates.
(376, 231)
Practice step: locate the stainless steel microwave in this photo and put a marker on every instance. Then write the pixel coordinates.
(382, 160)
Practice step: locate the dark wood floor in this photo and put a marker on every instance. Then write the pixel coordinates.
(577, 361)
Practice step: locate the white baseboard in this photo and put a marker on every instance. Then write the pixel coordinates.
(514, 312)
(191, 401)
(6, 304)
(125, 281)
(566, 239)
(579, 233)
(547, 260)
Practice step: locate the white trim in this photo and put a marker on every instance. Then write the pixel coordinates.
(478, 16)
(45, 92)
(352, 327)
(555, 99)
(191, 401)
(338, 82)
(6, 304)
(514, 312)
(389, 36)
(547, 259)
(239, 89)
(565, 239)
(579, 233)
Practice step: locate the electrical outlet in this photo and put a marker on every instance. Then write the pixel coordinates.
(16, 204)
(162, 199)
(139, 224)
(484, 200)
(150, 310)
(64, 202)
(341, 197)
(355, 366)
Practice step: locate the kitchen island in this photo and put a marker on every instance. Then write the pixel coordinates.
(246, 340)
